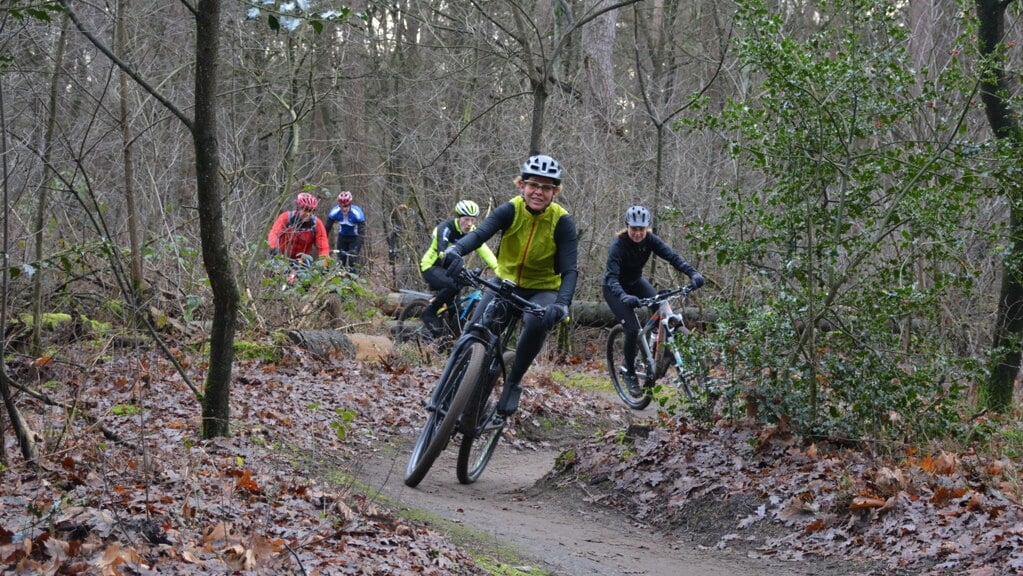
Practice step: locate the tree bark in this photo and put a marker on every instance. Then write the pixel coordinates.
(216, 399)
(134, 236)
(26, 438)
(1007, 341)
(39, 225)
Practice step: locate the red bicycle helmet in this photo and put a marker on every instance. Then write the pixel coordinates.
(307, 201)
(344, 198)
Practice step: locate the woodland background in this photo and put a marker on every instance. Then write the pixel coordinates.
(845, 173)
(840, 171)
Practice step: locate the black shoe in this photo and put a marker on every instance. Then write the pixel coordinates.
(509, 401)
(631, 382)
(432, 323)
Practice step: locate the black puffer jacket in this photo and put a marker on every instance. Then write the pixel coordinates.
(626, 259)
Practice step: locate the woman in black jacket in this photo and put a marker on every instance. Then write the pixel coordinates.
(624, 284)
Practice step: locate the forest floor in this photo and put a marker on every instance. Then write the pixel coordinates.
(311, 483)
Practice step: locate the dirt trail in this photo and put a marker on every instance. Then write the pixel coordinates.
(559, 533)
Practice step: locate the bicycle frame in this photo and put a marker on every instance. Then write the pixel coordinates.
(464, 306)
(657, 335)
(454, 317)
(484, 333)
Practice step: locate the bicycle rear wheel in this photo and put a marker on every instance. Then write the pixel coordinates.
(479, 433)
(462, 371)
(409, 326)
(616, 368)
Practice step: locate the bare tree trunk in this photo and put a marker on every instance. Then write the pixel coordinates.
(26, 438)
(598, 46)
(1008, 332)
(134, 238)
(39, 225)
(216, 400)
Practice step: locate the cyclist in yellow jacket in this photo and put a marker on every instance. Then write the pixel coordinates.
(432, 264)
(538, 251)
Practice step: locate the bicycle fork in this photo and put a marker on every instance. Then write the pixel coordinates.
(456, 350)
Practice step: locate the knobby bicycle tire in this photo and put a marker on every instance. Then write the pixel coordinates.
(479, 434)
(409, 324)
(616, 365)
(441, 423)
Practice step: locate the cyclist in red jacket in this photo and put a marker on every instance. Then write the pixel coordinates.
(296, 232)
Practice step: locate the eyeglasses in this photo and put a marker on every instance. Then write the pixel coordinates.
(546, 188)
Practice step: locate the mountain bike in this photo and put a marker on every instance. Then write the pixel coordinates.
(453, 317)
(665, 343)
(465, 398)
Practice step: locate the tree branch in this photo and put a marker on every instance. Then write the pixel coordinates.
(124, 66)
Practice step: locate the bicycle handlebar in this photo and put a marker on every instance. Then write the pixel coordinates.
(504, 289)
(663, 295)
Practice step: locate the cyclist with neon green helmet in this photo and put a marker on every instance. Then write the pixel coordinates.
(538, 251)
(431, 266)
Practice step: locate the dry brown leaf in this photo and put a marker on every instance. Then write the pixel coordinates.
(995, 468)
(795, 508)
(56, 549)
(245, 483)
(818, 524)
(190, 557)
(239, 557)
(944, 464)
(861, 502)
(942, 495)
(889, 480)
(114, 556)
(265, 547)
(219, 531)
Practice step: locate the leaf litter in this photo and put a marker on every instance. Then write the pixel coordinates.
(138, 493)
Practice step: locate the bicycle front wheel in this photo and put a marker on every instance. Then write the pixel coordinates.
(462, 371)
(691, 375)
(616, 368)
(480, 434)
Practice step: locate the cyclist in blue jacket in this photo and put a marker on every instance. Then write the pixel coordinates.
(432, 263)
(351, 230)
(624, 284)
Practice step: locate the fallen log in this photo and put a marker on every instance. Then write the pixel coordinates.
(357, 346)
(393, 303)
(595, 314)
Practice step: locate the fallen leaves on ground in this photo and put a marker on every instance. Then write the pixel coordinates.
(148, 497)
(940, 513)
(274, 498)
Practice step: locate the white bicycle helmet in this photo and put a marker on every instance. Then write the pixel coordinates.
(541, 165)
(637, 216)
(467, 208)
